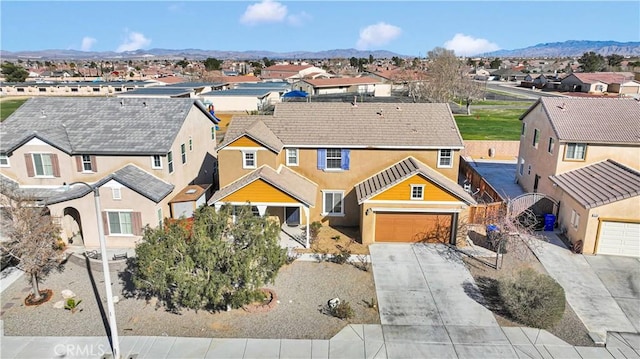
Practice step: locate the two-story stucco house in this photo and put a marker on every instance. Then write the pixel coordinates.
(139, 153)
(390, 169)
(585, 153)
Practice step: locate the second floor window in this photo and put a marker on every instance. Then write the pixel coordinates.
(156, 162)
(292, 156)
(43, 164)
(333, 159)
(248, 159)
(536, 138)
(183, 153)
(551, 145)
(86, 163)
(417, 192)
(190, 144)
(445, 158)
(524, 129)
(170, 161)
(4, 161)
(575, 151)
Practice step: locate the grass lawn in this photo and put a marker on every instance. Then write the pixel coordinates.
(491, 124)
(8, 106)
(524, 104)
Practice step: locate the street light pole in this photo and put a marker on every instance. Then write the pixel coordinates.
(111, 313)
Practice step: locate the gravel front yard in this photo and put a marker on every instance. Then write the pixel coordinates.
(302, 288)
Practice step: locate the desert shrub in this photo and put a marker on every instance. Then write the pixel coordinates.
(533, 299)
(343, 255)
(342, 311)
(314, 230)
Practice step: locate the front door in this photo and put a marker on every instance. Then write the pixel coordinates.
(292, 215)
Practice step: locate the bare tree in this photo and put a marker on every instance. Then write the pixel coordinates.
(31, 236)
(447, 80)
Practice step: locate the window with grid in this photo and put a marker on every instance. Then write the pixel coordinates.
(334, 158)
(445, 158)
(86, 163)
(170, 161)
(417, 192)
(156, 162)
(120, 223)
(249, 159)
(292, 156)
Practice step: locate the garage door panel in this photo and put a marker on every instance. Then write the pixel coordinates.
(619, 238)
(413, 227)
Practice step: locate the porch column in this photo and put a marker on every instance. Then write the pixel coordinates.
(262, 210)
(306, 213)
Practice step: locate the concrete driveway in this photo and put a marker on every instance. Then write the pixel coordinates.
(426, 310)
(590, 284)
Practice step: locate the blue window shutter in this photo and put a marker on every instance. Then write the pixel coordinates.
(345, 159)
(322, 158)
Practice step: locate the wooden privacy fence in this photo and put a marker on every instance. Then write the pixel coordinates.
(485, 213)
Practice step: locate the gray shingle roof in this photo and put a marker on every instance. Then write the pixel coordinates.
(600, 183)
(130, 176)
(99, 125)
(158, 91)
(402, 125)
(402, 170)
(592, 120)
(252, 92)
(284, 179)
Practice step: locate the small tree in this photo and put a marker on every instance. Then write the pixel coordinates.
(210, 264)
(212, 63)
(591, 62)
(32, 237)
(495, 63)
(14, 73)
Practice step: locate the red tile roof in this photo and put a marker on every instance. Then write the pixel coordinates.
(606, 77)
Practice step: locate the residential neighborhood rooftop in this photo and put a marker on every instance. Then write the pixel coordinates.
(600, 183)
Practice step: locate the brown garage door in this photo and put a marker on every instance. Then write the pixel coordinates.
(413, 227)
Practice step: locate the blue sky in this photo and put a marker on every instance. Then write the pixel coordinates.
(406, 27)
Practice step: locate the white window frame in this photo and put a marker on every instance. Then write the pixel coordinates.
(416, 187)
(170, 161)
(35, 168)
(574, 158)
(551, 146)
(324, 203)
(183, 153)
(245, 165)
(575, 219)
(5, 159)
(86, 160)
(213, 133)
(116, 193)
(153, 162)
(190, 144)
(333, 158)
(120, 212)
(441, 157)
(292, 152)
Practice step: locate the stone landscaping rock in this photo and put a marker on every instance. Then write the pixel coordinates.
(59, 304)
(116, 299)
(66, 294)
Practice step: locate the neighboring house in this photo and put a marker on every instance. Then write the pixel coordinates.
(356, 85)
(138, 153)
(563, 135)
(288, 72)
(594, 82)
(247, 96)
(599, 208)
(85, 88)
(390, 169)
(627, 88)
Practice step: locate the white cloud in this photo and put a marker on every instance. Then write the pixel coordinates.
(134, 41)
(464, 45)
(87, 43)
(267, 11)
(377, 35)
(298, 19)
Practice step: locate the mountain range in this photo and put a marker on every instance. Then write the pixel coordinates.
(572, 48)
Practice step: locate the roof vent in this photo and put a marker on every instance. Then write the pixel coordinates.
(379, 113)
(563, 106)
(122, 102)
(144, 103)
(43, 114)
(398, 108)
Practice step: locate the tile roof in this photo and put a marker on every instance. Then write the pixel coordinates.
(284, 179)
(341, 81)
(130, 176)
(98, 125)
(600, 183)
(592, 120)
(251, 92)
(157, 91)
(381, 125)
(402, 170)
(287, 68)
(606, 77)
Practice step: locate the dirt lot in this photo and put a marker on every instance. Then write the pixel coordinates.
(302, 289)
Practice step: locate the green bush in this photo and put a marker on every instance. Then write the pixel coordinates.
(343, 311)
(314, 230)
(533, 299)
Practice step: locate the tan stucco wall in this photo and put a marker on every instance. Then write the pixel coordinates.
(482, 149)
(361, 167)
(587, 231)
(545, 164)
(368, 221)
